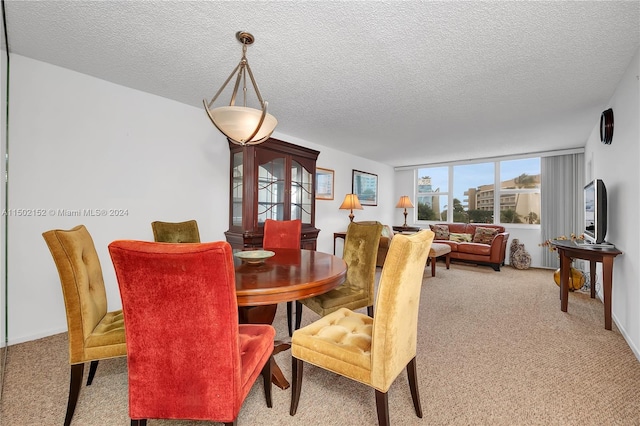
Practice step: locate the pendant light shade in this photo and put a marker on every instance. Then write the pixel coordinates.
(242, 125)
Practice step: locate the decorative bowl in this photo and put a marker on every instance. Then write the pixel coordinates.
(254, 257)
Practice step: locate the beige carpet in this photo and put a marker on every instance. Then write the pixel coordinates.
(493, 349)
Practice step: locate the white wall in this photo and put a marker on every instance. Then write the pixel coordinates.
(78, 142)
(617, 166)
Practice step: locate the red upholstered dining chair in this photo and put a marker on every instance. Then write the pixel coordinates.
(283, 234)
(188, 358)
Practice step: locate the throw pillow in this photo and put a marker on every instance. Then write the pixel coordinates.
(441, 231)
(484, 235)
(460, 238)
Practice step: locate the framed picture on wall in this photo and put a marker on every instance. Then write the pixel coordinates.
(365, 186)
(324, 184)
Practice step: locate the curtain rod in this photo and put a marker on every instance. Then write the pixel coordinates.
(498, 158)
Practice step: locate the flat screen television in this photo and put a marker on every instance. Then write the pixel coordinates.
(595, 211)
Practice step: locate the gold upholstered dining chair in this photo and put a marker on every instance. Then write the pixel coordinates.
(94, 333)
(360, 251)
(176, 232)
(372, 351)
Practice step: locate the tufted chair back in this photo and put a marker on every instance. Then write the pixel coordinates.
(360, 251)
(375, 350)
(188, 358)
(176, 232)
(358, 290)
(94, 333)
(395, 325)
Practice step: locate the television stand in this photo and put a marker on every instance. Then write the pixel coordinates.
(568, 251)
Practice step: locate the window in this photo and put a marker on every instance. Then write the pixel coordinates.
(472, 181)
(473, 193)
(433, 192)
(520, 191)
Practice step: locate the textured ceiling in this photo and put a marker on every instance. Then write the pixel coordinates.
(402, 82)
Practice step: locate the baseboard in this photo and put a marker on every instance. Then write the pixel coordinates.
(47, 333)
(633, 347)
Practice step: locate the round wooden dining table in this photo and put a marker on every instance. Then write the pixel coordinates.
(291, 274)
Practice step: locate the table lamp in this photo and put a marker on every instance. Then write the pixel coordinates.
(351, 202)
(405, 203)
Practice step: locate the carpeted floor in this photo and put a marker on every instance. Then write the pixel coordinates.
(493, 349)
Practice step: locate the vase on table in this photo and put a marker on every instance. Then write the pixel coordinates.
(576, 278)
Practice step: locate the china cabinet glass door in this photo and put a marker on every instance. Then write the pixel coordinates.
(271, 190)
(236, 189)
(301, 192)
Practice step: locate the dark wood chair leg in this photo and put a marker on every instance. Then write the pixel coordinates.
(266, 379)
(75, 384)
(370, 311)
(298, 314)
(139, 422)
(382, 406)
(290, 318)
(296, 377)
(412, 372)
(92, 372)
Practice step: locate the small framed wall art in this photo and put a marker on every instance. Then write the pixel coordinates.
(365, 186)
(324, 184)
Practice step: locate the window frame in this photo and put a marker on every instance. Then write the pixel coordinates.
(499, 192)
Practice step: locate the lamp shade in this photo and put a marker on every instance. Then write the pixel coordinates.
(404, 202)
(351, 202)
(239, 123)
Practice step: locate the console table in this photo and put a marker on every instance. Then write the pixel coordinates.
(337, 235)
(411, 229)
(568, 251)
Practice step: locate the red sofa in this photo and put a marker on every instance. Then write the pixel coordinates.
(487, 249)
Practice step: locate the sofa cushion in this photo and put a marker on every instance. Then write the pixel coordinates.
(460, 238)
(441, 231)
(458, 228)
(484, 235)
(452, 244)
(474, 248)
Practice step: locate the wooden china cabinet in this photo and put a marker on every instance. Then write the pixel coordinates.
(271, 180)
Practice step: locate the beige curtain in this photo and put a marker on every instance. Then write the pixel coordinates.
(562, 200)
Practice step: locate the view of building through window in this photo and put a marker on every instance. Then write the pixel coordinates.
(472, 193)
